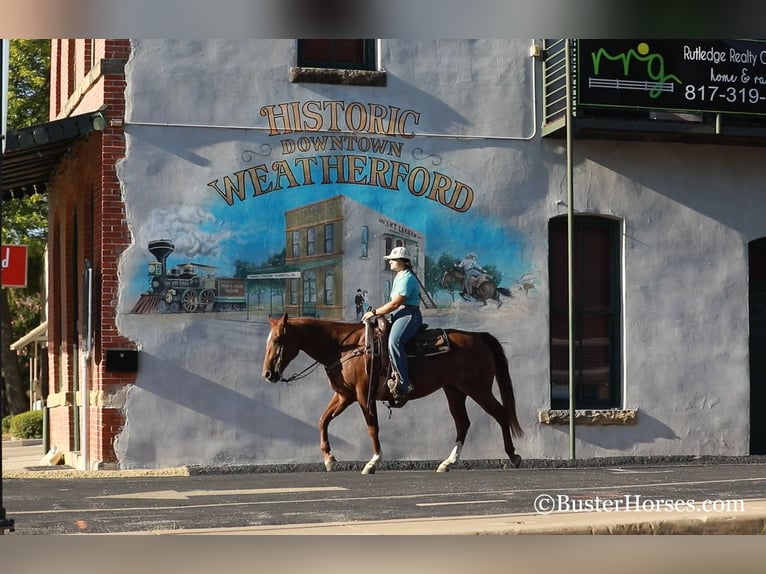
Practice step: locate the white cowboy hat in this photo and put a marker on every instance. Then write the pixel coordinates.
(398, 253)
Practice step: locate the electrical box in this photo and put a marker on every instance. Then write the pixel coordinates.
(121, 360)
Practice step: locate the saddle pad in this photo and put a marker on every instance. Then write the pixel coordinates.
(428, 343)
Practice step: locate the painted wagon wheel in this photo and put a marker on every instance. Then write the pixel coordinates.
(207, 300)
(189, 300)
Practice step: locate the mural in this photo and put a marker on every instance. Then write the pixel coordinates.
(304, 224)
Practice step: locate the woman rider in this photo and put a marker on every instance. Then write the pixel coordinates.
(406, 319)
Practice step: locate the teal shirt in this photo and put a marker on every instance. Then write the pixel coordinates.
(406, 284)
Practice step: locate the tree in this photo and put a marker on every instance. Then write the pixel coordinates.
(24, 220)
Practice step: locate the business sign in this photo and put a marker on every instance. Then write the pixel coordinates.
(716, 76)
(14, 265)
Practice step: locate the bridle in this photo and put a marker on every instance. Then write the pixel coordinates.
(313, 366)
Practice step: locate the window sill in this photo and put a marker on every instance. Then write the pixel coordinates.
(589, 417)
(337, 76)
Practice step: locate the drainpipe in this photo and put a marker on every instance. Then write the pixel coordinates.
(570, 248)
(84, 360)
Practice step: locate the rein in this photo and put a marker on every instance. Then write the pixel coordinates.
(312, 367)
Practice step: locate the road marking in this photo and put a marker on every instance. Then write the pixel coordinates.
(631, 471)
(456, 503)
(185, 495)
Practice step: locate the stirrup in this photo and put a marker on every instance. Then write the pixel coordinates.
(397, 391)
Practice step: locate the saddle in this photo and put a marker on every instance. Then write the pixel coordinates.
(426, 343)
(477, 282)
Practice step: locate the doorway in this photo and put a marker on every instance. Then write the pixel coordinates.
(757, 299)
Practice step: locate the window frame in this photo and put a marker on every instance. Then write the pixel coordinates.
(366, 53)
(585, 317)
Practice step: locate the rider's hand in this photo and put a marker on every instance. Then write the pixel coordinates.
(367, 316)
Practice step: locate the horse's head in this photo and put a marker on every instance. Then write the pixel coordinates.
(451, 275)
(281, 348)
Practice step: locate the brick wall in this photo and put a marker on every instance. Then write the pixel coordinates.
(87, 221)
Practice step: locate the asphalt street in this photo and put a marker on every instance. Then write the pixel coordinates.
(126, 504)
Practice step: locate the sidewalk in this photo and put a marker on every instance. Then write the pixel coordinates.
(751, 521)
(22, 453)
(21, 456)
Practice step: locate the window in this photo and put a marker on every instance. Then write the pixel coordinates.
(309, 294)
(365, 241)
(345, 62)
(296, 244)
(337, 54)
(329, 238)
(596, 313)
(311, 241)
(293, 292)
(310, 287)
(329, 287)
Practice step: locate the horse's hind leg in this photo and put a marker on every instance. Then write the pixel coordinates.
(495, 409)
(337, 405)
(456, 402)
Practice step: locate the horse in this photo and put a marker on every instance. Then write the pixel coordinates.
(484, 288)
(469, 369)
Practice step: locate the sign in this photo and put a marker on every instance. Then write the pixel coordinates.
(286, 275)
(14, 265)
(716, 76)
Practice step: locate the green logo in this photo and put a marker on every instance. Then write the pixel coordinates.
(654, 63)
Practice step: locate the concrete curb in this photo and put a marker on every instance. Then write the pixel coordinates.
(64, 471)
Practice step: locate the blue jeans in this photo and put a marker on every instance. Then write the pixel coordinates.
(404, 326)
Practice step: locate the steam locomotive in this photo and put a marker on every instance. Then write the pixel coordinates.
(188, 287)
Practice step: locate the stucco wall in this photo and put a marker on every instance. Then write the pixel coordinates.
(686, 214)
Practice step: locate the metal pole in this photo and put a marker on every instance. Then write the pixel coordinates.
(570, 248)
(5, 522)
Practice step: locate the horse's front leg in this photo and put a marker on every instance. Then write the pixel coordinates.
(337, 405)
(373, 429)
(456, 402)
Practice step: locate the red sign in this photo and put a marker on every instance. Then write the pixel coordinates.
(14, 268)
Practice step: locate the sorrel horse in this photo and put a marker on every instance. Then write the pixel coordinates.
(467, 370)
(484, 288)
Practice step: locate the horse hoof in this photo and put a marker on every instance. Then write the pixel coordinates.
(443, 468)
(329, 463)
(368, 469)
(516, 461)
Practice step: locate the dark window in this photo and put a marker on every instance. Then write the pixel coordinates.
(296, 243)
(365, 241)
(329, 287)
(310, 287)
(338, 54)
(596, 276)
(329, 237)
(311, 241)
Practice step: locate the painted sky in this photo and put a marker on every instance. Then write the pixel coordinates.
(215, 233)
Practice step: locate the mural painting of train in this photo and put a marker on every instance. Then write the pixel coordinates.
(188, 287)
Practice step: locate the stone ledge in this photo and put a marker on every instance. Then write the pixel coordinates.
(589, 417)
(337, 76)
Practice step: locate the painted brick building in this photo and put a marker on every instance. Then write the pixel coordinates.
(461, 142)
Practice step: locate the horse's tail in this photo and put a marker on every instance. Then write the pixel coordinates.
(504, 291)
(503, 376)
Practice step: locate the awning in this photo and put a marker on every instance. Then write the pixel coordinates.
(33, 153)
(36, 335)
